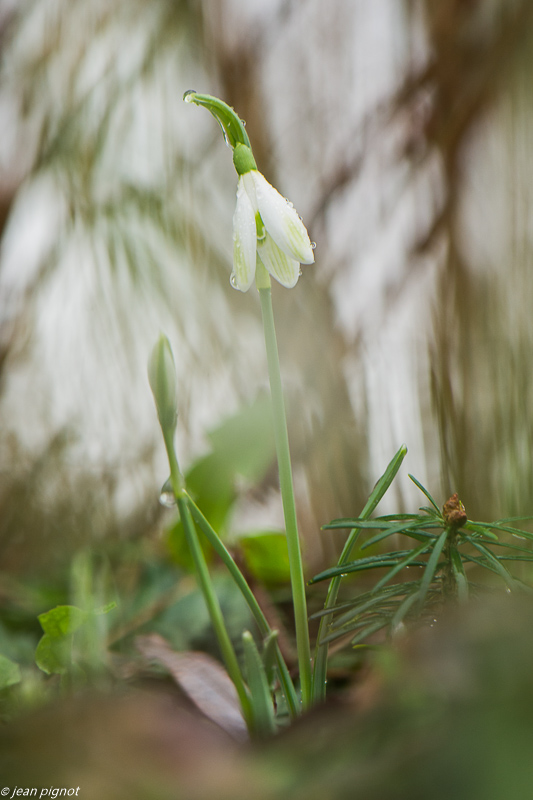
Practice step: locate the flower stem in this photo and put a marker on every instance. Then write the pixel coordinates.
(287, 494)
(204, 580)
(240, 581)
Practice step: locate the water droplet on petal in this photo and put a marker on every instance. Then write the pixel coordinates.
(299, 272)
(313, 245)
(233, 280)
(166, 497)
(188, 95)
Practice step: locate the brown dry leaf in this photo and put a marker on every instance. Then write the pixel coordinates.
(202, 679)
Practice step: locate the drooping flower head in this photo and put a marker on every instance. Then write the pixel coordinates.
(265, 224)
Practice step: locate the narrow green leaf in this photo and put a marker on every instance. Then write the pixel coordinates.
(261, 698)
(499, 568)
(270, 647)
(356, 625)
(399, 517)
(429, 572)
(431, 513)
(409, 560)
(459, 574)
(403, 609)
(105, 609)
(515, 531)
(515, 558)
(479, 527)
(413, 531)
(507, 546)
(321, 654)
(365, 524)
(371, 562)
(383, 484)
(360, 600)
(368, 631)
(426, 493)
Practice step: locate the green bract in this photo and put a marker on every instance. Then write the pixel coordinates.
(232, 127)
(265, 224)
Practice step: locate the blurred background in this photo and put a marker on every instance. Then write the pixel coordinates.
(400, 129)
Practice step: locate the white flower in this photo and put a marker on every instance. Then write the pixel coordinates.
(266, 226)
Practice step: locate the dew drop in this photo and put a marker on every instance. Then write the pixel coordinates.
(233, 280)
(300, 272)
(166, 497)
(188, 96)
(313, 245)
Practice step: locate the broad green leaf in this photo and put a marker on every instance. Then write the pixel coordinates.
(246, 440)
(266, 556)
(62, 620)
(242, 447)
(9, 672)
(54, 654)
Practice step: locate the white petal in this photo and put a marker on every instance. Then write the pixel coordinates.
(282, 221)
(284, 269)
(244, 241)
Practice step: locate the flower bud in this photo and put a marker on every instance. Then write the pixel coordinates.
(454, 512)
(162, 377)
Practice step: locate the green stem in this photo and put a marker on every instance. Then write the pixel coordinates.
(206, 585)
(449, 583)
(287, 495)
(240, 581)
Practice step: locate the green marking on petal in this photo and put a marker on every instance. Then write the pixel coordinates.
(282, 221)
(260, 228)
(283, 268)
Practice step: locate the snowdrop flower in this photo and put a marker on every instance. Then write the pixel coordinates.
(265, 224)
